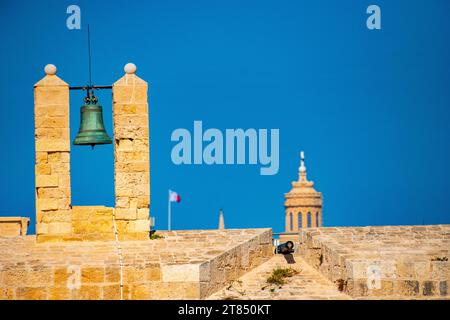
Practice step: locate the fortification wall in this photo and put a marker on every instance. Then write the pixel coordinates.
(183, 265)
(397, 261)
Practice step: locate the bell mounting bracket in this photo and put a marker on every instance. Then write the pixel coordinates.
(90, 97)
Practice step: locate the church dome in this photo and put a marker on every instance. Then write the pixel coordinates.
(302, 201)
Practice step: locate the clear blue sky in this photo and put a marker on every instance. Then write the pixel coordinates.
(371, 109)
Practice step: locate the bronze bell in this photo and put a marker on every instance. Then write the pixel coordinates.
(92, 130)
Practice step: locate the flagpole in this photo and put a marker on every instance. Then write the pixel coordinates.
(169, 211)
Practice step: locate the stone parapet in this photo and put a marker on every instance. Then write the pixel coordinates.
(390, 261)
(306, 284)
(96, 223)
(182, 265)
(13, 226)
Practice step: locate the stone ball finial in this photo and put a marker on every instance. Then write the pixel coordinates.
(50, 69)
(130, 68)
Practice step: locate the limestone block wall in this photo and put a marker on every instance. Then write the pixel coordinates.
(231, 265)
(392, 261)
(52, 141)
(96, 223)
(183, 265)
(92, 223)
(131, 155)
(13, 226)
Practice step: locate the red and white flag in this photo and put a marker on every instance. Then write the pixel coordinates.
(174, 197)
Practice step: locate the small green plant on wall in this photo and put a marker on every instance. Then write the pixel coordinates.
(155, 236)
(278, 277)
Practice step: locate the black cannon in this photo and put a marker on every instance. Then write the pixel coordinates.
(285, 248)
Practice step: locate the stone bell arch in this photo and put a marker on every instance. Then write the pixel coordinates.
(56, 219)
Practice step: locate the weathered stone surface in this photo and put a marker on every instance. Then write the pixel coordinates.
(43, 169)
(131, 154)
(47, 204)
(46, 181)
(92, 223)
(13, 226)
(25, 293)
(180, 272)
(93, 275)
(51, 122)
(307, 284)
(52, 141)
(59, 228)
(59, 293)
(46, 110)
(182, 265)
(126, 214)
(392, 261)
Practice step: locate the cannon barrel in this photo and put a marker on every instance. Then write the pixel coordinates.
(285, 248)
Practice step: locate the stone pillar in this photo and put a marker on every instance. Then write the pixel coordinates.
(295, 227)
(131, 155)
(288, 221)
(305, 219)
(313, 219)
(320, 219)
(52, 134)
